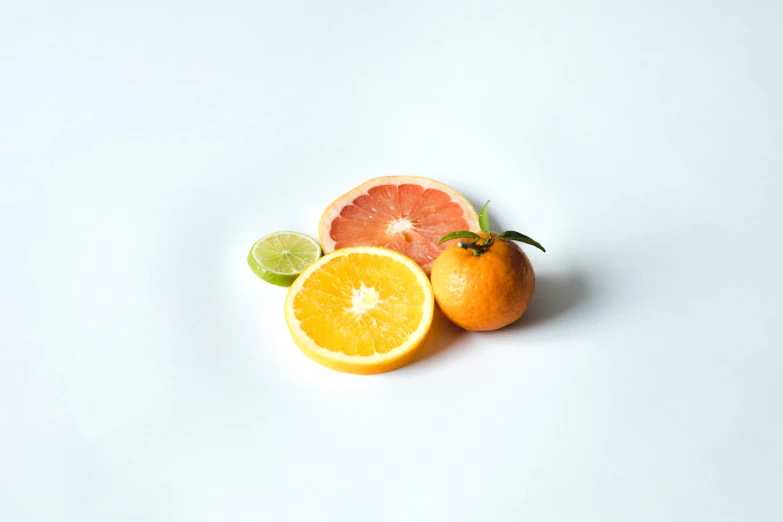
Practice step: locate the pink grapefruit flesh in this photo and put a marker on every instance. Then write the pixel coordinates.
(404, 213)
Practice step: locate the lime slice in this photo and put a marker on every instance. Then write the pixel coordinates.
(281, 256)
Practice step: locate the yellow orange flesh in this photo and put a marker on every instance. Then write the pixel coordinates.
(360, 310)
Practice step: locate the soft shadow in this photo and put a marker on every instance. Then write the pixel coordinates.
(443, 333)
(556, 296)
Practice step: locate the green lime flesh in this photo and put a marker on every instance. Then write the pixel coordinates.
(280, 257)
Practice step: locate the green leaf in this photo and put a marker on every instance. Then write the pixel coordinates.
(522, 238)
(458, 234)
(484, 218)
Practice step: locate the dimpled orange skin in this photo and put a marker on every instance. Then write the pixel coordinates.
(485, 292)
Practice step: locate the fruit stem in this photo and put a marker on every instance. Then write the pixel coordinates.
(477, 248)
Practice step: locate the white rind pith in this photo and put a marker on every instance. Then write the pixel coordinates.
(426, 320)
(334, 209)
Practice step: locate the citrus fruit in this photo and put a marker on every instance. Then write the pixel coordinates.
(360, 310)
(280, 257)
(483, 292)
(484, 284)
(404, 213)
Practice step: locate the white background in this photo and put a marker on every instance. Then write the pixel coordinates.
(147, 375)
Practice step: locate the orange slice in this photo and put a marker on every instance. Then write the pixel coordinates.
(404, 213)
(360, 310)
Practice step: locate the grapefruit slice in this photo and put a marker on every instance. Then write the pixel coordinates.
(408, 214)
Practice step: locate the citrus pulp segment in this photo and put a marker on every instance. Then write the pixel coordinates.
(280, 257)
(360, 310)
(408, 214)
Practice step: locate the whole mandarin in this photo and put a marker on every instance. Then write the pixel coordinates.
(483, 292)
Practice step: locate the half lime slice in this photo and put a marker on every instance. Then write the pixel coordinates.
(281, 256)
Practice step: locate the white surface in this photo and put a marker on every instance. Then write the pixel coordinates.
(146, 374)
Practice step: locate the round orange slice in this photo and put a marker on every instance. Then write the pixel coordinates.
(360, 310)
(404, 213)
